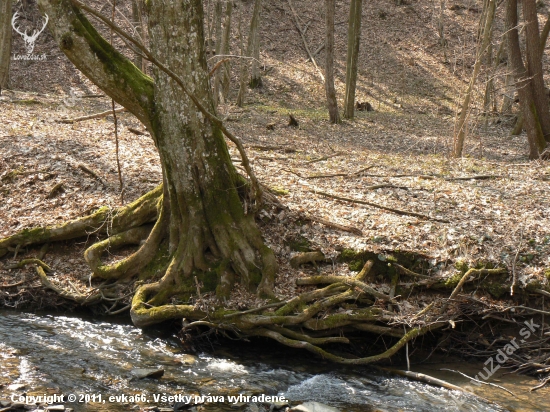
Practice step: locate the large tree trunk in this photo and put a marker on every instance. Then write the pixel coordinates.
(5, 43)
(534, 65)
(332, 103)
(210, 238)
(354, 38)
(532, 125)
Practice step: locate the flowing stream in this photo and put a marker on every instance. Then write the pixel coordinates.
(43, 354)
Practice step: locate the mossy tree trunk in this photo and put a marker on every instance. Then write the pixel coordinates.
(5, 42)
(200, 213)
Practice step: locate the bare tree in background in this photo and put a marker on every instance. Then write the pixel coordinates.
(354, 39)
(531, 121)
(332, 103)
(253, 52)
(462, 121)
(534, 65)
(5, 43)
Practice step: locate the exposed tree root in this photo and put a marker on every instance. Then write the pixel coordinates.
(103, 221)
(315, 320)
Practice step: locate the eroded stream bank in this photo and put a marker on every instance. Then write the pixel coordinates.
(54, 354)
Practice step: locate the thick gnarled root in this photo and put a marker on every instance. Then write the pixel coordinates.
(103, 221)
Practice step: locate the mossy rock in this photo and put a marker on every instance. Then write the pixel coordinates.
(496, 288)
(279, 190)
(299, 244)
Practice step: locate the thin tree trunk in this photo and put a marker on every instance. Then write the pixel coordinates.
(461, 124)
(253, 52)
(534, 65)
(507, 103)
(332, 103)
(544, 34)
(440, 23)
(218, 11)
(5, 43)
(242, 77)
(226, 82)
(254, 42)
(354, 38)
(535, 136)
(136, 20)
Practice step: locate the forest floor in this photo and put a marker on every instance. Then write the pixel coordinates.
(491, 207)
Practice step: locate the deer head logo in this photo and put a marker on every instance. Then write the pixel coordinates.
(29, 40)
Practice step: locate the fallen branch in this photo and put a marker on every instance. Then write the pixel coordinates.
(55, 190)
(285, 149)
(31, 261)
(333, 225)
(91, 116)
(541, 385)
(306, 257)
(353, 174)
(320, 159)
(136, 131)
(405, 271)
(480, 381)
(389, 209)
(89, 171)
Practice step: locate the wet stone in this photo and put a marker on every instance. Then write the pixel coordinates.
(147, 373)
(314, 407)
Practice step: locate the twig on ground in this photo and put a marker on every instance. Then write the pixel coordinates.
(408, 272)
(284, 148)
(89, 171)
(333, 225)
(91, 116)
(320, 159)
(389, 209)
(54, 191)
(136, 131)
(541, 385)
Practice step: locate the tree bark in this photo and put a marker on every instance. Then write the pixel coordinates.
(354, 39)
(332, 103)
(535, 135)
(5, 43)
(534, 65)
(209, 235)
